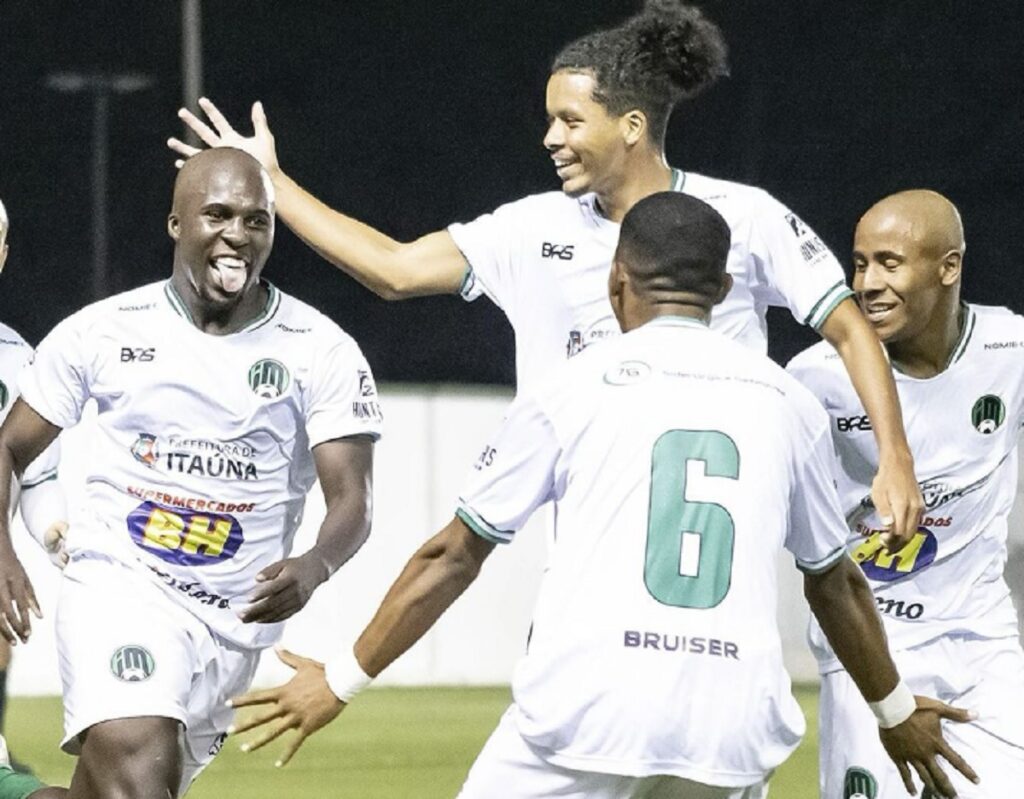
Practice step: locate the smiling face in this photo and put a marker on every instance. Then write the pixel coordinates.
(906, 257)
(587, 144)
(222, 223)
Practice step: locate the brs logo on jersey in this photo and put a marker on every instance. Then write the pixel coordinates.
(562, 251)
(140, 354)
(184, 537)
(846, 424)
(878, 563)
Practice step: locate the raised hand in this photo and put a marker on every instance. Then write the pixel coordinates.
(304, 704)
(284, 588)
(916, 742)
(260, 145)
(897, 496)
(17, 599)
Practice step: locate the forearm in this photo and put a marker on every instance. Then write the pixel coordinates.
(844, 606)
(42, 506)
(363, 253)
(344, 530)
(869, 371)
(430, 582)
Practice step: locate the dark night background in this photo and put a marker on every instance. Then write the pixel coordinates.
(410, 115)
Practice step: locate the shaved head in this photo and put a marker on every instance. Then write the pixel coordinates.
(923, 217)
(195, 174)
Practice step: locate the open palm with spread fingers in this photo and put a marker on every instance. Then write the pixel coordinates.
(304, 704)
(260, 145)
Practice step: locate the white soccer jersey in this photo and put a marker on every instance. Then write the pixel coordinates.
(544, 260)
(679, 462)
(962, 426)
(15, 355)
(201, 454)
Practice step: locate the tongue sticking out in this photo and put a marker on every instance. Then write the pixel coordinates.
(231, 279)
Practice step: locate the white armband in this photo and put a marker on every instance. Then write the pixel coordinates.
(896, 708)
(345, 677)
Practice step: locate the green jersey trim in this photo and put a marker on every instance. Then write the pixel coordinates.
(478, 525)
(678, 180)
(673, 320)
(264, 316)
(43, 478)
(966, 331)
(828, 302)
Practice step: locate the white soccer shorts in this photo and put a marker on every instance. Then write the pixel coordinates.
(985, 675)
(509, 767)
(128, 650)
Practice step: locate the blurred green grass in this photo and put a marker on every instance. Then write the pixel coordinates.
(393, 743)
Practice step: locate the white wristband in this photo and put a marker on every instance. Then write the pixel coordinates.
(896, 708)
(345, 677)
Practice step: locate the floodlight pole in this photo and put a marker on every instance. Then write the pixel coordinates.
(191, 61)
(101, 87)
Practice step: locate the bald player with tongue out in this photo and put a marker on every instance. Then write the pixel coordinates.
(220, 401)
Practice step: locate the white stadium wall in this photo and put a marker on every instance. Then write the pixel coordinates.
(432, 437)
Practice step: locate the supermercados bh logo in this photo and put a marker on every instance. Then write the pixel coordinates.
(184, 537)
(201, 457)
(132, 663)
(859, 784)
(268, 378)
(880, 564)
(988, 414)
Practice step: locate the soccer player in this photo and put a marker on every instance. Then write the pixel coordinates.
(38, 495)
(220, 401)
(654, 667)
(947, 612)
(544, 259)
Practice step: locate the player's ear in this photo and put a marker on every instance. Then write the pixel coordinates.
(950, 271)
(725, 288)
(173, 226)
(633, 125)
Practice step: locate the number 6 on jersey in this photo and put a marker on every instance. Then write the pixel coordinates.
(689, 544)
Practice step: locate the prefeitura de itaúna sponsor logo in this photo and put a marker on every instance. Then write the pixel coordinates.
(202, 457)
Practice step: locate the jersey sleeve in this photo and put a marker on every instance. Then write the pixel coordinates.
(817, 529)
(488, 244)
(800, 269)
(56, 385)
(514, 475)
(342, 398)
(42, 469)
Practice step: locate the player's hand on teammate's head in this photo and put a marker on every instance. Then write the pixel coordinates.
(17, 599)
(304, 704)
(918, 740)
(284, 588)
(260, 145)
(897, 497)
(54, 542)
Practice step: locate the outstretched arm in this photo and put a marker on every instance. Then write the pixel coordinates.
(894, 491)
(345, 469)
(430, 582)
(23, 436)
(391, 269)
(845, 608)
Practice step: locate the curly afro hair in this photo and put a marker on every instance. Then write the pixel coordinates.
(667, 52)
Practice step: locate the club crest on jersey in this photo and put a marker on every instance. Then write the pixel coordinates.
(988, 414)
(144, 450)
(859, 784)
(268, 378)
(132, 663)
(880, 564)
(184, 537)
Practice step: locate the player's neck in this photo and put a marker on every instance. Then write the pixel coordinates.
(641, 316)
(648, 175)
(217, 321)
(929, 353)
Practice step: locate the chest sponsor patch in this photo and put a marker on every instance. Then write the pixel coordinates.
(878, 563)
(184, 537)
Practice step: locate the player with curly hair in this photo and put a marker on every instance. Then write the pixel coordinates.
(544, 259)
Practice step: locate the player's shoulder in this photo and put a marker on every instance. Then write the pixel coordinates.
(737, 197)
(821, 357)
(132, 305)
(304, 326)
(994, 329)
(11, 339)
(541, 207)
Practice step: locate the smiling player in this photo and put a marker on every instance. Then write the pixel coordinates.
(220, 401)
(947, 610)
(544, 259)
